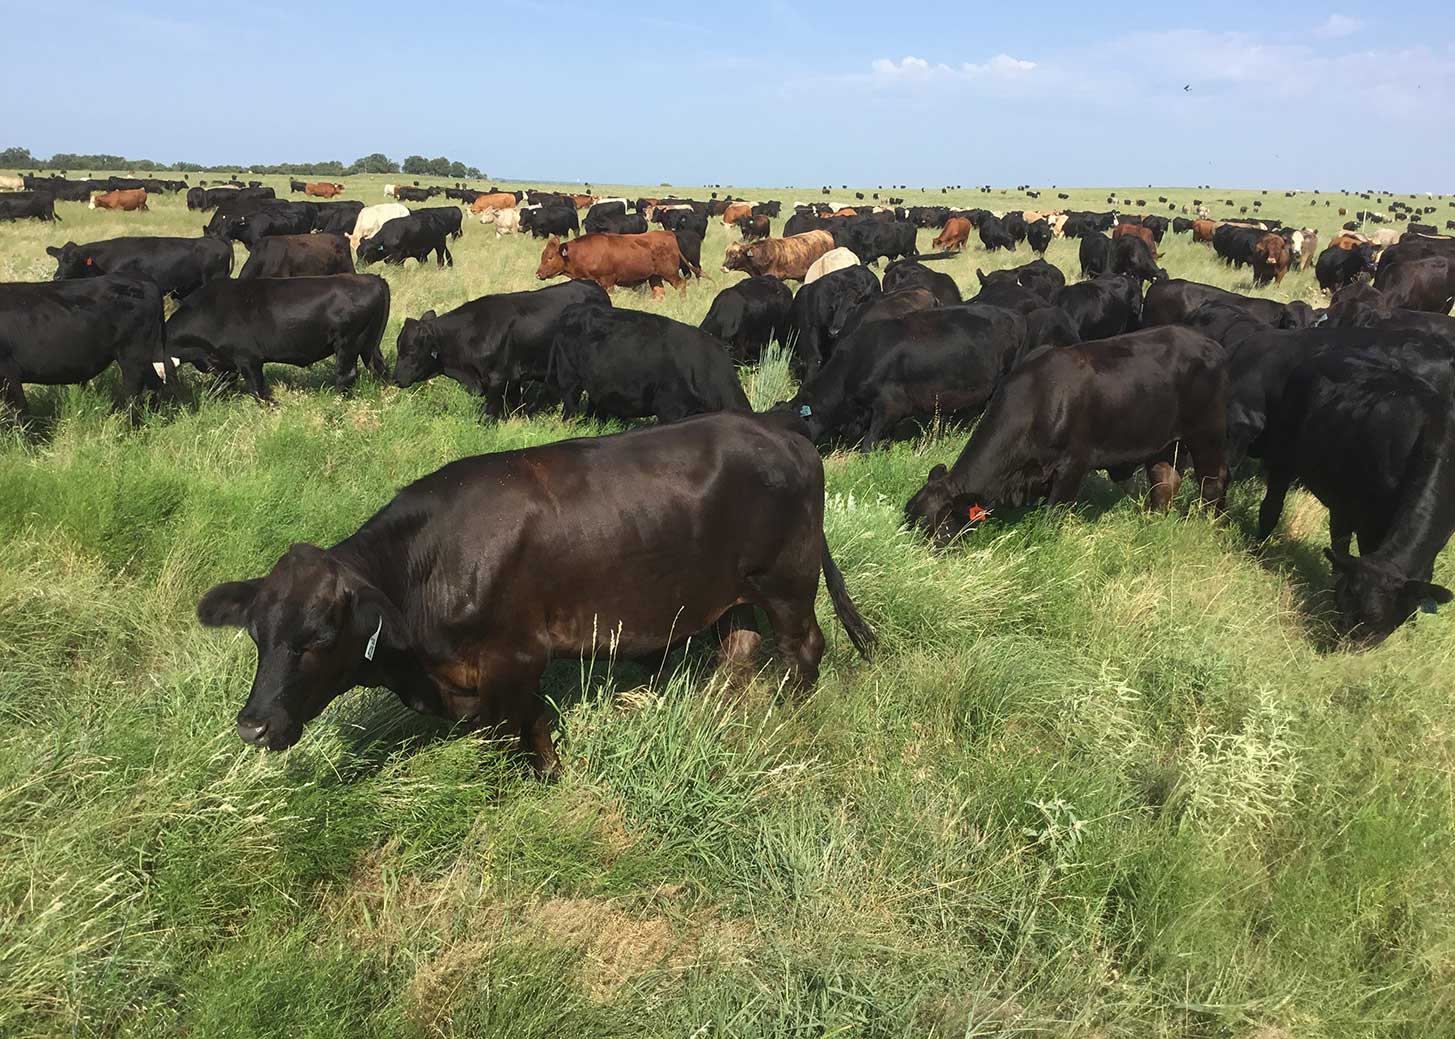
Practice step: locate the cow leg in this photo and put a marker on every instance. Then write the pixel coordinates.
(884, 415)
(12, 391)
(1341, 532)
(656, 282)
(800, 639)
(739, 640)
(1066, 484)
(1210, 463)
(346, 367)
(1272, 507)
(1165, 480)
(252, 372)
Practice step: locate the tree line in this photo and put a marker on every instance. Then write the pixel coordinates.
(416, 165)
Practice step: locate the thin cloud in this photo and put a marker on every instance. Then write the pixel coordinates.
(1337, 26)
(913, 70)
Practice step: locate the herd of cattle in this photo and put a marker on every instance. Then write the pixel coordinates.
(1126, 368)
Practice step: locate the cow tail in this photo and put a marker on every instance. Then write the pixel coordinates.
(860, 634)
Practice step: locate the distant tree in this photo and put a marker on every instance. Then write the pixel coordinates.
(439, 167)
(457, 170)
(416, 165)
(14, 158)
(473, 171)
(375, 163)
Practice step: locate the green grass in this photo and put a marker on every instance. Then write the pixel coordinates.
(1103, 780)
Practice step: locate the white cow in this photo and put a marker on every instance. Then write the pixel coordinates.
(1385, 236)
(833, 260)
(389, 190)
(8, 183)
(371, 218)
(506, 221)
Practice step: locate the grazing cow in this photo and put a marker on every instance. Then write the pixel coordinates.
(490, 344)
(785, 258)
(238, 326)
(28, 205)
(1203, 230)
(459, 614)
(408, 194)
(907, 274)
(1234, 243)
(1105, 306)
(127, 200)
(754, 228)
(1038, 236)
(371, 218)
(1343, 262)
(1181, 225)
(1171, 301)
(994, 235)
(833, 260)
(404, 237)
(818, 307)
(178, 266)
(1425, 284)
(62, 333)
(449, 218)
(9, 183)
(750, 314)
(871, 239)
(616, 223)
(735, 210)
(251, 228)
(1375, 442)
(1270, 259)
(1039, 277)
(931, 363)
(299, 256)
(954, 236)
(882, 306)
(1132, 255)
(506, 221)
(689, 244)
(631, 365)
(296, 186)
(336, 217)
(1114, 404)
(612, 260)
(494, 200)
(1095, 254)
(549, 221)
(323, 189)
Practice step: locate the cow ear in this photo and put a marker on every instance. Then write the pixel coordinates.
(53, 251)
(937, 473)
(227, 605)
(1425, 591)
(980, 274)
(376, 622)
(562, 248)
(428, 315)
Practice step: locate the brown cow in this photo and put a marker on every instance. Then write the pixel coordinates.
(611, 260)
(754, 228)
(955, 234)
(583, 201)
(323, 189)
(1136, 231)
(127, 199)
(1269, 260)
(497, 200)
(734, 211)
(1202, 230)
(1348, 240)
(784, 258)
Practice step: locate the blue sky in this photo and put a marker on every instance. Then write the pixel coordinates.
(769, 94)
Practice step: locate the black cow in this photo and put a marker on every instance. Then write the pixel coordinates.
(746, 316)
(1050, 326)
(1181, 225)
(882, 306)
(1157, 225)
(1337, 267)
(927, 364)
(1115, 404)
(599, 210)
(1039, 235)
(238, 207)
(447, 217)
(491, 343)
(299, 256)
(1106, 306)
(178, 266)
(251, 228)
(908, 274)
(683, 220)
(1131, 255)
(336, 217)
(297, 186)
(404, 237)
(994, 235)
(28, 205)
(817, 306)
(633, 365)
(68, 332)
(1042, 278)
(550, 220)
(798, 223)
(870, 239)
(458, 593)
(1375, 442)
(1095, 254)
(403, 193)
(1015, 225)
(238, 326)
(1426, 283)
(1235, 244)
(617, 221)
(689, 244)
(768, 209)
(1169, 302)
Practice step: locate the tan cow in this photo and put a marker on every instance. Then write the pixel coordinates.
(785, 258)
(128, 199)
(9, 183)
(1202, 230)
(506, 221)
(833, 260)
(496, 200)
(735, 210)
(323, 189)
(371, 218)
(954, 235)
(618, 259)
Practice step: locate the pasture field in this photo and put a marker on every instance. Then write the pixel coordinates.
(1107, 776)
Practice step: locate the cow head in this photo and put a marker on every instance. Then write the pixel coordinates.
(553, 259)
(71, 262)
(1374, 597)
(418, 350)
(739, 257)
(371, 250)
(938, 509)
(318, 627)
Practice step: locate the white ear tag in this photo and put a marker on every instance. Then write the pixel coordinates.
(374, 640)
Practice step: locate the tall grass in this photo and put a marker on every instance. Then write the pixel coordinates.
(1104, 778)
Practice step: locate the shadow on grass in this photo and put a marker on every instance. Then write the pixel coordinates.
(1303, 566)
